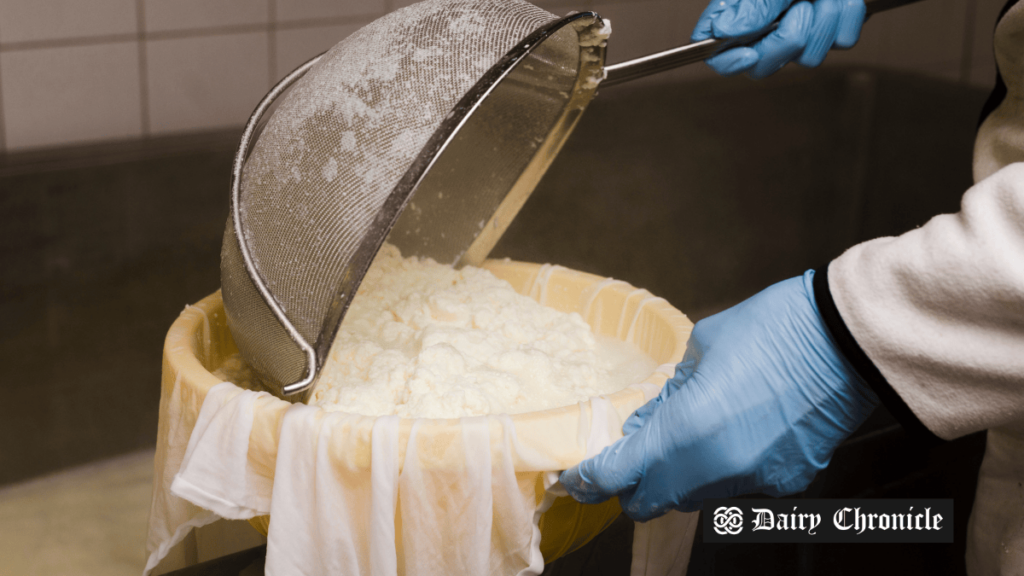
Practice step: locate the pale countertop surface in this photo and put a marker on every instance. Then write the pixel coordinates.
(86, 520)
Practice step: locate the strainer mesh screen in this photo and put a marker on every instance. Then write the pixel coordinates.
(335, 148)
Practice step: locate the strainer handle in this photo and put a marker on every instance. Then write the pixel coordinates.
(700, 51)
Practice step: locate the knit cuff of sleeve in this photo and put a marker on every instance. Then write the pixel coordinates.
(860, 362)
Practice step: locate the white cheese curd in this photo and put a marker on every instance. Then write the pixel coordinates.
(422, 339)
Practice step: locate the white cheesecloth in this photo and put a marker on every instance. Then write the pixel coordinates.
(402, 515)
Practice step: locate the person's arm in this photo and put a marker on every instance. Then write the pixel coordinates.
(931, 321)
(806, 32)
(940, 310)
(758, 404)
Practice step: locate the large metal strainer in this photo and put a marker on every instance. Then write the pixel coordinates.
(405, 105)
(429, 127)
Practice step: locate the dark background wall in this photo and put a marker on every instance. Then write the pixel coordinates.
(100, 249)
(702, 192)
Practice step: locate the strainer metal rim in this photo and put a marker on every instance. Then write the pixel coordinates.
(237, 166)
(396, 200)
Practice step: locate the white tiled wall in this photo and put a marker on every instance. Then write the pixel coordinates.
(204, 82)
(71, 94)
(300, 10)
(175, 15)
(55, 20)
(74, 71)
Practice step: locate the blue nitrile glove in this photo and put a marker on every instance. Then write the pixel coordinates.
(758, 405)
(805, 33)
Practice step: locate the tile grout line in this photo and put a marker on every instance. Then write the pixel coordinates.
(361, 19)
(200, 32)
(182, 34)
(67, 42)
(140, 21)
(271, 43)
(3, 124)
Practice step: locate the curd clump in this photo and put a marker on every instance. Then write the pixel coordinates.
(422, 339)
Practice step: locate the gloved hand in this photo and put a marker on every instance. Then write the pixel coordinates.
(758, 404)
(805, 33)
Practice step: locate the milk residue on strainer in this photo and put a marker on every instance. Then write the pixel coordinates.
(429, 127)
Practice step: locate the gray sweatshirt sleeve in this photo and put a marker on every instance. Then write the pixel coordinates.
(939, 311)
